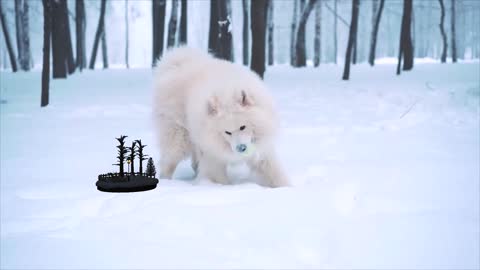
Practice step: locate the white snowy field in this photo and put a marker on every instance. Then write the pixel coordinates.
(385, 170)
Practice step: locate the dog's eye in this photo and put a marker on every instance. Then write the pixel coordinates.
(228, 133)
(242, 127)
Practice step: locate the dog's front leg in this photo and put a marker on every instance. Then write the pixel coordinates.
(196, 155)
(212, 169)
(269, 169)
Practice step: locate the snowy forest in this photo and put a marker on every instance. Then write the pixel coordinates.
(135, 33)
(378, 103)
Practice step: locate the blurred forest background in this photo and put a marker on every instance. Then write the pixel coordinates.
(134, 33)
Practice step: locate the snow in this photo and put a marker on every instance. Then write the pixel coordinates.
(385, 171)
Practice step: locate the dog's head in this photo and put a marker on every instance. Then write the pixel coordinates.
(240, 122)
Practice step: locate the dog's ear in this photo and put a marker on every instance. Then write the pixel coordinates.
(245, 100)
(212, 106)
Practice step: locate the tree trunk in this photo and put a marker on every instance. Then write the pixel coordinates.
(463, 30)
(172, 25)
(80, 24)
(213, 32)
(257, 10)
(126, 34)
(132, 166)
(335, 19)
(98, 34)
(47, 28)
(224, 40)
(317, 56)
(183, 23)
(4, 58)
(270, 33)
(294, 32)
(59, 53)
(300, 49)
(230, 29)
(355, 43)
(354, 53)
(158, 20)
(351, 36)
(454, 45)
(104, 49)
(68, 38)
(245, 31)
(376, 16)
(23, 36)
(442, 31)
(8, 41)
(302, 6)
(406, 47)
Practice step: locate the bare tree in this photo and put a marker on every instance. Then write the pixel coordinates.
(68, 38)
(229, 17)
(213, 32)
(131, 157)
(62, 52)
(351, 38)
(300, 48)
(80, 26)
(302, 6)
(23, 36)
(376, 16)
(335, 46)
(141, 155)
(442, 31)
(406, 46)
(224, 40)
(59, 69)
(245, 31)
(8, 41)
(294, 32)
(98, 34)
(463, 31)
(158, 20)
(454, 44)
(104, 49)
(258, 13)
(183, 23)
(317, 51)
(355, 44)
(47, 28)
(172, 25)
(126, 34)
(270, 32)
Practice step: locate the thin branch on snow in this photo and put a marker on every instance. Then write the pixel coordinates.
(410, 108)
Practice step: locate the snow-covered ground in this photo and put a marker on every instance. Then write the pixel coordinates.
(385, 169)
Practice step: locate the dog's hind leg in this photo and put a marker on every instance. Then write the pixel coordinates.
(213, 170)
(174, 147)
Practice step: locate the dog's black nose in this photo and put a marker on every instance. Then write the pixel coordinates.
(241, 148)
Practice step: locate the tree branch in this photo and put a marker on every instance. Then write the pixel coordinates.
(336, 15)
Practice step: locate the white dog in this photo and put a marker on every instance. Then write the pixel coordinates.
(217, 113)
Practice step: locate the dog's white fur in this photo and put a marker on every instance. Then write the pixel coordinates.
(198, 98)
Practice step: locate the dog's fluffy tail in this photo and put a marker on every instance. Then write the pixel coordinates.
(179, 57)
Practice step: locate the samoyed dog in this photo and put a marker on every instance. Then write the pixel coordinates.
(218, 114)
